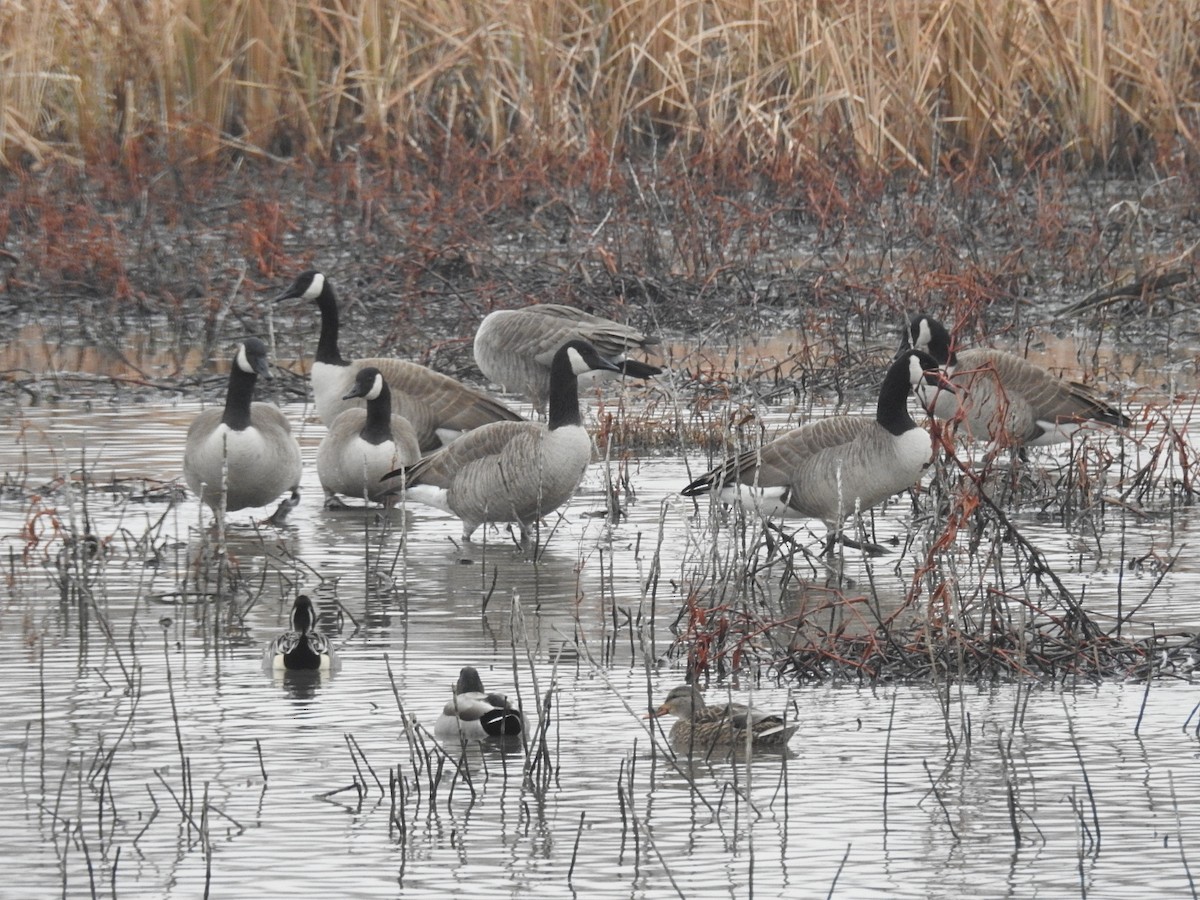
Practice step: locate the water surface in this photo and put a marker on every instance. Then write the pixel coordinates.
(146, 754)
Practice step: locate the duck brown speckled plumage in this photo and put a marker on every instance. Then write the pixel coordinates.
(701, 730)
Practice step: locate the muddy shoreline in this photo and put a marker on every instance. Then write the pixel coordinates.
(160, 274)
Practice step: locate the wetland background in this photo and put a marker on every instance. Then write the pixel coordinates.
(1005, 704)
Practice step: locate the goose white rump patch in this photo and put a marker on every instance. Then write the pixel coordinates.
(437, 497)
(769, 502)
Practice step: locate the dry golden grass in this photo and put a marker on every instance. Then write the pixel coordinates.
(904, 83)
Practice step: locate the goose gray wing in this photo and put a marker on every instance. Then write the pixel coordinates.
(1032, 397)
(432, 401)
(563, 323)
(441, 469)
(516, 347)
(1050, 398)
(777, 462)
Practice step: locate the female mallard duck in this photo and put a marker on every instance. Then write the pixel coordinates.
(246, 447)
(472, 714)
(1004, 397)
(302, 647)
(703, 729)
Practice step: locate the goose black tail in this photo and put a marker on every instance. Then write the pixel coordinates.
(1111, 416)
(634, 369)
(701, 485)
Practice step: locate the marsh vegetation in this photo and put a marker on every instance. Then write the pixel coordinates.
(1005, 698)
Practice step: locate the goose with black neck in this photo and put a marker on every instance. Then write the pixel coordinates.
(514, 472)
(439, 407)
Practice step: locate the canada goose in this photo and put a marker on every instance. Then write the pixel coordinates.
(701, 729)
(439, 407)
(473, 714)
(513, 471)
(301, 647)
(363, 444)
(515, 347)
(1006, 398)
(247, 447)
(830, 468)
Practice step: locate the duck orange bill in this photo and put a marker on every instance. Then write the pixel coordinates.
(655, 713)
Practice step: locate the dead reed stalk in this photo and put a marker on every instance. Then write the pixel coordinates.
(906, 83)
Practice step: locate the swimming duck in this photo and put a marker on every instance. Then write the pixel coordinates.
(302, 647)
(472, 714)
(701, 729)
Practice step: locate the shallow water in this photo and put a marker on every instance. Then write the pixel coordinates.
(898, 790)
